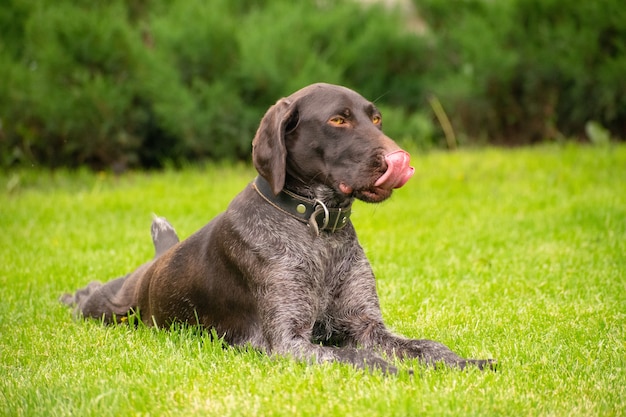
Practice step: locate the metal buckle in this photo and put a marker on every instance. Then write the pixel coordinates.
(337, 217)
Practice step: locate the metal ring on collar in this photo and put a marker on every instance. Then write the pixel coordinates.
(326, 213)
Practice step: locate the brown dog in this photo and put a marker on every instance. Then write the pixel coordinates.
(281, 269)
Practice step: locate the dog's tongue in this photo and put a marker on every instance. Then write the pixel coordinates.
(398, 170)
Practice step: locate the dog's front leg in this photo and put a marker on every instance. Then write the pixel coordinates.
(427, 351)
(358, 315)
(368, 331)
(288, 315)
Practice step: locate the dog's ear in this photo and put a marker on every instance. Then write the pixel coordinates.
(269, 153)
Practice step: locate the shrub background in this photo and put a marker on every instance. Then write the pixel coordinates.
(152, 82)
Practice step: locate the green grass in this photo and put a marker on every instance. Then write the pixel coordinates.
(514, 254)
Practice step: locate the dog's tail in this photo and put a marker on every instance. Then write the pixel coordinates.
(163, 235)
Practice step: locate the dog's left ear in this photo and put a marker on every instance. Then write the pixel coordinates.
(269, 153)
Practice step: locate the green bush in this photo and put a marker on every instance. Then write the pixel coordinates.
(70, 88)
(144, 83)
(529, 70)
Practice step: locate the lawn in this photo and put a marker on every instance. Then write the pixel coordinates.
(516, 254)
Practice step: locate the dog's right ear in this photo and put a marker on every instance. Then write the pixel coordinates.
(269, 153)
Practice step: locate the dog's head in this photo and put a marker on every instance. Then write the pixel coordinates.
(328, 134)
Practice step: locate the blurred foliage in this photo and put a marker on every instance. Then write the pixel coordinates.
(150, 82)
(523, 71)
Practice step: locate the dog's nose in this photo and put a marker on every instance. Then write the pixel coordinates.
(398, 170)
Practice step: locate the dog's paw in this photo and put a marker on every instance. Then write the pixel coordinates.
(163, 235)
(67, 299)
(381, 365)
(367, 360)
(482, 364)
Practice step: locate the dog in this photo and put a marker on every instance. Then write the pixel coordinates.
(281, 270)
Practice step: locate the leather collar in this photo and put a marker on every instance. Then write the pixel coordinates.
(304, 209)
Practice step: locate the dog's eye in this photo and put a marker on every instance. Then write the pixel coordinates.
(337, 120)
(376, 120)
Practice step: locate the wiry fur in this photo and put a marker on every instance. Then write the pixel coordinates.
(258, 276)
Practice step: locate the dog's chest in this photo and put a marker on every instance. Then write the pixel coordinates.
(331, 263)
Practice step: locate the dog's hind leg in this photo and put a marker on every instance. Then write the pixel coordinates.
(163, 235)
(108, 302)
(100, 301)
(115, 299)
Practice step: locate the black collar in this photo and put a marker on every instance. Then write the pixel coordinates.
(304, 209)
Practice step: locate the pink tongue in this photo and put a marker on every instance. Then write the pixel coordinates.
(398, 170)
